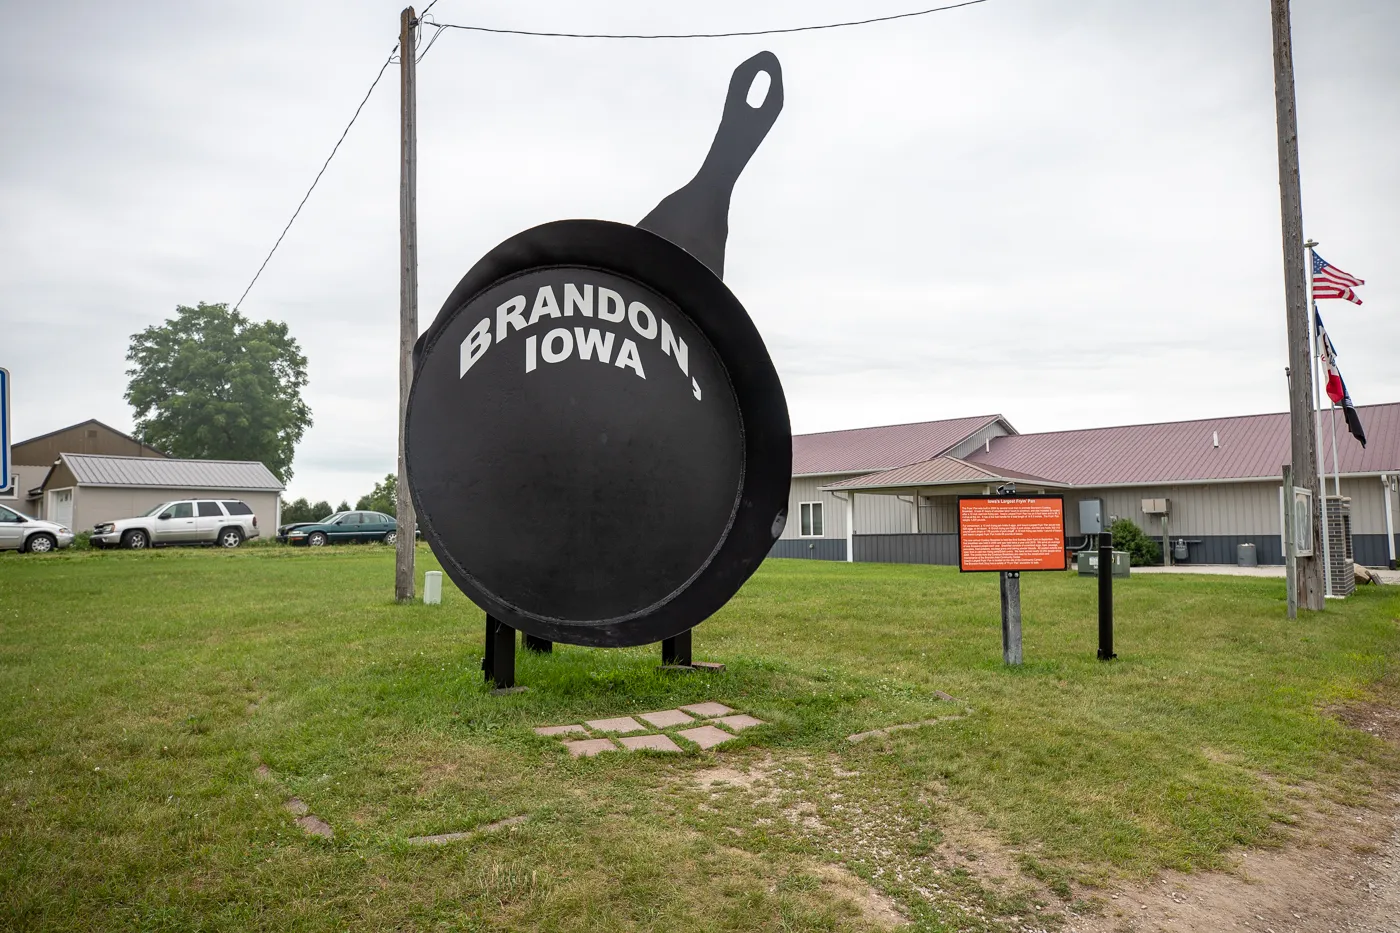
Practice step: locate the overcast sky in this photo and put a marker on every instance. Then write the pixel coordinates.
(1065, 211)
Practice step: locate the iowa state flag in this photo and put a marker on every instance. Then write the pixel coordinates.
(1336, 386)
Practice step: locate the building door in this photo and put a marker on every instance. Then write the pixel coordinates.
(61, 507)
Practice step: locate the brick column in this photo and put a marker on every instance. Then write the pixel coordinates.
(1339, 537)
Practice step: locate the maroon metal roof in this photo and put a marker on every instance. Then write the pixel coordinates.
(869, 449)
(1250, 446)
(940, 471)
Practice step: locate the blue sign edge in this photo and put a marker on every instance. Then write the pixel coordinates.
(5, 430)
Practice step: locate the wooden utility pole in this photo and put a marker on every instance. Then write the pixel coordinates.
(1304, 446)
(408, 293)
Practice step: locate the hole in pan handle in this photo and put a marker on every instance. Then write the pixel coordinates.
(696, 217)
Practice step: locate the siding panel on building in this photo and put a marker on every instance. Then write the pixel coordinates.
(908, 549)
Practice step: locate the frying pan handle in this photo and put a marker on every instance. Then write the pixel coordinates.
(696, 217)
(742, 128)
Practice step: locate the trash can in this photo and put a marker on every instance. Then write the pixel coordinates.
(1246, 555)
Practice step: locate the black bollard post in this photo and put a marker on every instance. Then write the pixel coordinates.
(1106, 597)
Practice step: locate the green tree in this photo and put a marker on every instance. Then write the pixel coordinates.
(383, 498)
(209, 383)
(343, 507)
(300, 510)
(1142, 550)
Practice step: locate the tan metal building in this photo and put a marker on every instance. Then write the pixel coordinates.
(889, 493)
(81, 490)
(32, 459)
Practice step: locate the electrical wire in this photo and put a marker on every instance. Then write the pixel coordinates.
(324, 166)
(424, 53)
(705, 35)
(442, 27)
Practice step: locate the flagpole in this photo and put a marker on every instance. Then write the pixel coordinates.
(1336, 473)
(1317, 424)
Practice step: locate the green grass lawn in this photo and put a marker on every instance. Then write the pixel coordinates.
(140, 692)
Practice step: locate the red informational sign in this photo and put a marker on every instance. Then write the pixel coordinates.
(1011, 533)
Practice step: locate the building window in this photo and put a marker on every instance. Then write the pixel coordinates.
(811, 513)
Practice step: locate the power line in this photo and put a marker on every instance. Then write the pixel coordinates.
(705, 35)
(424, 54)
(441, 27)
(334, 150)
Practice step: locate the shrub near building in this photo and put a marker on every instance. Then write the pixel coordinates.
(1142, 550)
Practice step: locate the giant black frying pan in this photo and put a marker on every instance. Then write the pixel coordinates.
(597, 443)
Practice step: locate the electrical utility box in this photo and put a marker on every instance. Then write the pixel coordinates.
(1087, 563)
(1091, 516)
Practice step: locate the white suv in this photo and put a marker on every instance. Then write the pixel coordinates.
(225, 522)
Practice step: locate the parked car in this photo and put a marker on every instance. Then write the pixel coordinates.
(225, 522)
(20, 532)
(342, 527)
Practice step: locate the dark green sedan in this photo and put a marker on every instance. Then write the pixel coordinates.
(341, 527)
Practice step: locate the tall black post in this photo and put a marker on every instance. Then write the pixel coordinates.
(1106, 597)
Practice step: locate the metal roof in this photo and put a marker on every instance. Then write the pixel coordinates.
(244, 475)
(1251, 447)
(863, 450)
(940, 471)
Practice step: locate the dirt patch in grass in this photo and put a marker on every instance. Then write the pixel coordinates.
(1340, 872)
(875, 909)
(1380, 718)
(942, 867)
(1336, 869)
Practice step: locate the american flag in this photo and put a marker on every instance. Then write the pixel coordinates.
(1331, 282)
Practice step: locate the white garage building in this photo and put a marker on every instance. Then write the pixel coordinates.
(81, 490)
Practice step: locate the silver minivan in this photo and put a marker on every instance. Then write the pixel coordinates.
(20, 532)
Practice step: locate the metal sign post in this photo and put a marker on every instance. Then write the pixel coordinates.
(1011, 616)
(5, 429)
(1290, 540)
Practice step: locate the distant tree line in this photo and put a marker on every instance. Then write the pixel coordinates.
(383, 498)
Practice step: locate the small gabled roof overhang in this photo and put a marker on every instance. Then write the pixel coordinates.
(936, 473)
(864, 450)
